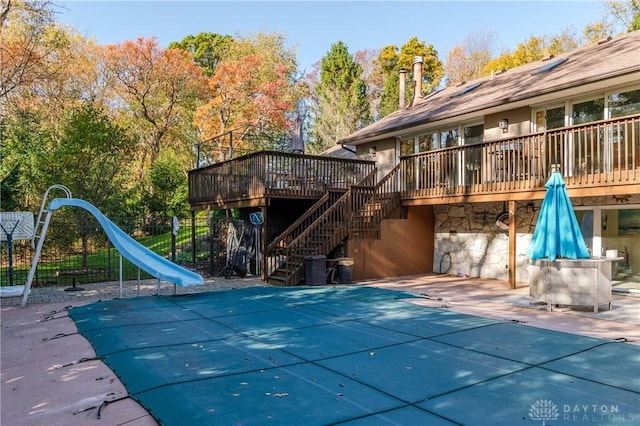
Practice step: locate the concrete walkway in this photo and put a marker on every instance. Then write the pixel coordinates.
(50, 374)
(111, 290)
(493, 299)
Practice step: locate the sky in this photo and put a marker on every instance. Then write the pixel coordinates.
(311, 27)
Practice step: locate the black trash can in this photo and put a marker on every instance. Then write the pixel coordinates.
(345, 270)
(315, 270)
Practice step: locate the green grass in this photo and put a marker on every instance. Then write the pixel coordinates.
(105, 259)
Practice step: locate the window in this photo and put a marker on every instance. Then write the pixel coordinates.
(586, 112)
(555, 118)
(622, 104)
(407, 146)
(588, 146)
(621, 150)
(473, 134)
(449, 138)
(549, 119)
(427, 142)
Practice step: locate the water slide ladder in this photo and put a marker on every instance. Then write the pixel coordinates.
(39, 233)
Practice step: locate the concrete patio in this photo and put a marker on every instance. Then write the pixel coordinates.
(50, 374)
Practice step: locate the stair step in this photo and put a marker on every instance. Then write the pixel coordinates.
(277, 281)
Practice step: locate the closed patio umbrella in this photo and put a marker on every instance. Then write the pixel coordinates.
(297, 145)
(557, 232)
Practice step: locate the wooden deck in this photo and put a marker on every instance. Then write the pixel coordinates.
(596, 159)
(252, 179)
(600, 158)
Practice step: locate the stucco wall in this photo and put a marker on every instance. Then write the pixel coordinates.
(405, 247)
(385, 155)
(519, 124)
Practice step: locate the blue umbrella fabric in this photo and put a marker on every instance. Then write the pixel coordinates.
(557, 232)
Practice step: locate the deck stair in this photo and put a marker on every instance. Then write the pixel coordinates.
(357, 212)
(373, 203)
(305, 237)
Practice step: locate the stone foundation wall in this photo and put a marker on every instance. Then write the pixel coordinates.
(480, 248)
(477, 246)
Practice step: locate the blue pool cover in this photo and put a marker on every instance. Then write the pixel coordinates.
(353, 355)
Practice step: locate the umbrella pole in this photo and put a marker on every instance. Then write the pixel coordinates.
(512, 245)
(548, 269)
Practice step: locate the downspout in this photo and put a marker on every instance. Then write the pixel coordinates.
(348, 149)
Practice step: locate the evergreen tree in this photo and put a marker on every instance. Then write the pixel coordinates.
(392, 59)
(341, 94)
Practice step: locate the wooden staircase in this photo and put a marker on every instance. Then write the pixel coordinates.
(337, 216)
(373, 203)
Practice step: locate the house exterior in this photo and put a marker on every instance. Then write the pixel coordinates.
(478, 154)
(454, 181)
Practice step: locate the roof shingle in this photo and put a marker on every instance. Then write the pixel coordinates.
(615, 57)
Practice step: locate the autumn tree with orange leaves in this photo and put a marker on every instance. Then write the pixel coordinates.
(29, 41)
(156, 91)
(252, 92)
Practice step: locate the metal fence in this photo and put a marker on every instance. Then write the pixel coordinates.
(81, 253)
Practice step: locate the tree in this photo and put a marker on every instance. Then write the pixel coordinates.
(253, 90)
(627, 13)
(597, 31)
(468, 60)
(341, 98)
(24, 140)
(206, 49)
(534, 49)
(29, 39)
(371, 77)
(392, 59)
(156, 90)
(74, 79)
(566, 41)
(170, 187)
(90, 157)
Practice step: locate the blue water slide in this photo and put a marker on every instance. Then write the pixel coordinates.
(132, 250)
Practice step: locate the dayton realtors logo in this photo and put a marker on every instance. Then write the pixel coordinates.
(545, 410)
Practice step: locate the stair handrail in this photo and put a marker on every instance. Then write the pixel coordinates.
(280, 239)
(296, 248)
(386, 191)
(300, 224)
(45, 199)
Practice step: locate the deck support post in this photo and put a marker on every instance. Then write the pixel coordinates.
(512, 244)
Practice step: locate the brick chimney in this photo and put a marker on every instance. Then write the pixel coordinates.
(417, 80)
(403, 87)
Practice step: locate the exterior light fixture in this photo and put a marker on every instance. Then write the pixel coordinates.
(504, 125)
(372, 151)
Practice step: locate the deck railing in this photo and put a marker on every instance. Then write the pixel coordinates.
(600, 153)
(274, 174)
(371, 203)
(597, 154)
